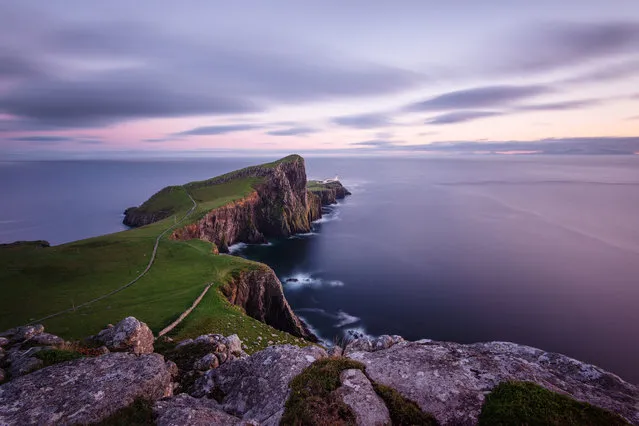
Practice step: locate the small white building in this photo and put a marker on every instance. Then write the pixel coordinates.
(329, 180)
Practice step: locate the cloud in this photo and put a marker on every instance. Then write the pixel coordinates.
(99, 74)
(479, 97)
(293, 131)
(634, 117)
(563, 44)
(605, 73)
(559, 106)
(375, 143)
(41, 139)
(363, 121)
(461, 117)
(560, 146)
(218, 130)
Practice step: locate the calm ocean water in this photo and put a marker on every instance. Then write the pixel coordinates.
(542, 251)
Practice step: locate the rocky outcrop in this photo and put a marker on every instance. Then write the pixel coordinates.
(329, 192)
(19, 348)
(256, 388)
(278, 207)
(83, 391)
(450, 380)
(146, 213)
(129, 335)
(186, 410)
(259, 292)
(357, 392)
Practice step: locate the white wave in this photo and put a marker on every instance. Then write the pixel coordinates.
(302, 235)
(267, 244)
(303, 279)
(345, 319)
(237, 247)
(6, 222)
(329, 217)
(356, 333)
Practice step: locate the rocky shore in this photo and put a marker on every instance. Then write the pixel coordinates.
(210, 380)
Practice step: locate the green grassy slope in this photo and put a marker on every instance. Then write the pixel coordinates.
(36, 282)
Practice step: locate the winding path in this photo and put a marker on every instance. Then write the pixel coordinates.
(134, 280)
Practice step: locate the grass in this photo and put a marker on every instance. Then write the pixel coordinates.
(313, 399)
(525, 403)
(140, 413)
(36, 282)
(403, 411)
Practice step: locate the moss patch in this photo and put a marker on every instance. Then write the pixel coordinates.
(403, 411)
(525, 403)
(56, 356)
(313, 400)
(137, 414)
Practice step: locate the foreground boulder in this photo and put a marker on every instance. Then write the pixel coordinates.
(83, 391)
(357, 392)
(256, 388)
(129, 335)
(185, 410)
(450, 380)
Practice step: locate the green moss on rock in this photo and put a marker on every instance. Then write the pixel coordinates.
(525, 403)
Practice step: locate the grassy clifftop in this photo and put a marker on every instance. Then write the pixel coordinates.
(36, 282)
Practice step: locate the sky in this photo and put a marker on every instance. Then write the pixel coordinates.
(160, 78)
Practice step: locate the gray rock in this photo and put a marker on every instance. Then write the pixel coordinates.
(335, 351)
(3, 375)
(129, 335)
(184, 410)
(256, 388)
(23, 362)
(207, 362)
(47, 339)
(173, 369)
(3, 341)
(234, 345)
(83, 391)
(450, 380)
(358, 393)
(20, 334)
(372, 344)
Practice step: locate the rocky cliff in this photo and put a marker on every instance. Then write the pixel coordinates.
(372, 381)
(279, 206)
(260, 294)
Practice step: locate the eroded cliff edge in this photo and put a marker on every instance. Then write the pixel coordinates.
(259, 293)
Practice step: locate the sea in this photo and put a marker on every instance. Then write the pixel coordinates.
(537, 250)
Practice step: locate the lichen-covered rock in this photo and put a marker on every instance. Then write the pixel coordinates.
(371, 344)
(450, 380)
(3, 375)
(22, 333)
(47, 339)
(207, 362)
(335, 351)
(358, 393)
(23, 362)
(256, 388)
(3, 341)
(184, 410)
(83, 391)
(129, 335)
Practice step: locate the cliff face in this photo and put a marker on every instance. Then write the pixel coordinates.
(260, 294)
(330, 192)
